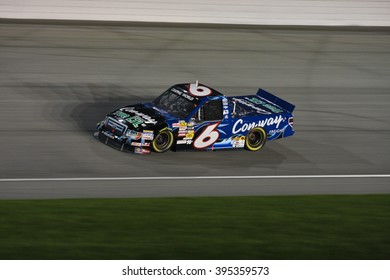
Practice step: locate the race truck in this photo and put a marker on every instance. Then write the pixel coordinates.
(192, 116)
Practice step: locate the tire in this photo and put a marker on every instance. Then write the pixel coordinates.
(255, 139)
(163, 141)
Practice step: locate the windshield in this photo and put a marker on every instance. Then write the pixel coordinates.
(176, 103)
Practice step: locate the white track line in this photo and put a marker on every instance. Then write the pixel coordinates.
(198, 178)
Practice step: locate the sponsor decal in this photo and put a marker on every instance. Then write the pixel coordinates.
(146, 144)
(121, 114)
(175, 125)
(189, 135)
(238, 138)
(135, 121)
(189, 97)
(136, 144)
(141, 151)
(238, 143)
(135, 135)
(182, 130)
(184, 142)
(251, 105)
(175, 90)
(225, 112)
(145, 118)
(275, 131)
(258, 101)
(240, 126)
(187, 132)
(148, 135)
(181, 93)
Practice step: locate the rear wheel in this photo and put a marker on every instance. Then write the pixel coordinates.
(163, 141)
(255, 139)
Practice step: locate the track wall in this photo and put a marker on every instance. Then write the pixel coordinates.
(262, 12)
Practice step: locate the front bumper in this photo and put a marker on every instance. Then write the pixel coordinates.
(122, 142)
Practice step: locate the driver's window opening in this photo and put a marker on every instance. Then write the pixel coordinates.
(210, 111)
(175, 104)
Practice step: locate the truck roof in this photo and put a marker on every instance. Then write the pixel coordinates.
(186, 88)
(262, 103)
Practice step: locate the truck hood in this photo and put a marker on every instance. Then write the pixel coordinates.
(140, 116)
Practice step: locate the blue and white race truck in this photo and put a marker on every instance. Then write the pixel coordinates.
(193, 116)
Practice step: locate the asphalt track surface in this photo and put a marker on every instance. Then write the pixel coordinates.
(57, 81)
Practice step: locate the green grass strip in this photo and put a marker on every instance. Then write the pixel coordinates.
(299, 227)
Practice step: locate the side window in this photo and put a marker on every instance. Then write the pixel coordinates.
(211, 111)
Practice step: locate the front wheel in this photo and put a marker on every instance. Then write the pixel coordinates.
(255, 139)
(163, 141)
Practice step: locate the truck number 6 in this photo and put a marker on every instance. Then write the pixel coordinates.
(208, 137)
(199, 91)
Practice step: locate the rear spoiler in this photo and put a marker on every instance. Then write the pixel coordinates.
(275, 100)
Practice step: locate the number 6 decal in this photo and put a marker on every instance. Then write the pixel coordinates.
(199, 91)
(208, 137)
